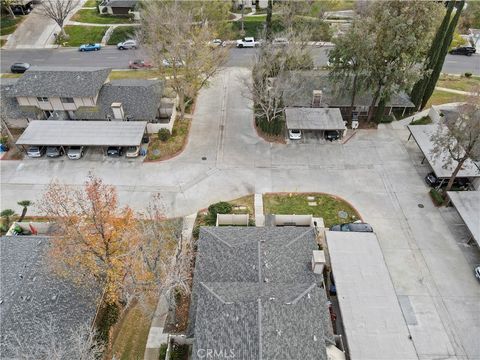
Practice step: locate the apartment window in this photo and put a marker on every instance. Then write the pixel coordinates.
(67, 100)
(42, 99)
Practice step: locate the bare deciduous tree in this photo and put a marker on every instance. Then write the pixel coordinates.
(460, 137)
(81, 343)
(58, 11)
(7, 5)
(181, 42)
(271, 76)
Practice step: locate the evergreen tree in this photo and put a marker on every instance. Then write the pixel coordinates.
(432, 57)
(442, 54)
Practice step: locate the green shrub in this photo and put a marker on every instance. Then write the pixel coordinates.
(274, 127)
(196, 231)
(468, 75)
(121, 33)
(163, 352)
(164, 134)
(108, 317)
(221, 207)
(179, 352)
(437, 197)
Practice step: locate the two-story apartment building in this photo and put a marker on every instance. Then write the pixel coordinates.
(63, 93)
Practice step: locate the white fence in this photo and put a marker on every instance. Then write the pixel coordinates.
(232, 219)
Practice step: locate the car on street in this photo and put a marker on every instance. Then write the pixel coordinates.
(128, 44)
(247, 42)
(434, 182)
(21, 10)
(280, 42)
(477, 272)
(170, 62)
(90, 47)
(331, 135)
(54, 151)
(354, 227)
(217, 43)
(132, 151)
(114, 151)
(140, 64)
(36, 151)
(463, 50)
(19, 67)
(75, 152)
(294, 134)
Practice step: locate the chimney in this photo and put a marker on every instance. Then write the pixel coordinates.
(317, 98)
(318, 261)
(117, 109)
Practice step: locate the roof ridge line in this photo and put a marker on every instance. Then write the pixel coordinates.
(303, 294)
(290, 243)
(218, 238)
(215, 294)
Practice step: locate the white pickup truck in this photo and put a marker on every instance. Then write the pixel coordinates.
(247, 42)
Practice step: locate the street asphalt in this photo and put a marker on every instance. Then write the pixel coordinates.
(109, 56)
(378, 171)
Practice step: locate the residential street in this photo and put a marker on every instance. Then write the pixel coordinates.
(377, 171)
(111, 57)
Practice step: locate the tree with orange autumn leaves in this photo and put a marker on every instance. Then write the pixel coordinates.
(98, 242)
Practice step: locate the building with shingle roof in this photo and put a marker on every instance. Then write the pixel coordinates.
(33, 299)
(255, 295)
(309, 87)
(66, 93)
(46, 81)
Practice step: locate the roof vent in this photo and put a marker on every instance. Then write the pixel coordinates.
(308, 296)
(266, 280)
(54, 297)
(318, 261)
(272, 298)
(279, 332)
(314, 337)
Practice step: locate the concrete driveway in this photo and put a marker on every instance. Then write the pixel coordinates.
(378, 171)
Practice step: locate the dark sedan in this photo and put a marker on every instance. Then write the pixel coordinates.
(463, 50)
(115, 151)
(354, 227)
(19, 68)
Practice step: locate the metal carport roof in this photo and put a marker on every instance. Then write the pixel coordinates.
(467, 204)
(314, 119)
(374, 324)
(422, 135)
(86, 133)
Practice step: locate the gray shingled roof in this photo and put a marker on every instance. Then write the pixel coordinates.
(140, 100)
(314, 118)
(9, 104)
(61, 81)
(304, 82)
(32, 296)
(255, 293)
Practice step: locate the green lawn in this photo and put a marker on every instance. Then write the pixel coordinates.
(459, 82)
(252, 25)
(135, 74)
(8, 25)
(90, 3)
(443, 97)
(79, 35)
(327, 206)
(132, 333)
(92, 16)
(121, 33)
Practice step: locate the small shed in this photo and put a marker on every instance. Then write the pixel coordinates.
(318, 120)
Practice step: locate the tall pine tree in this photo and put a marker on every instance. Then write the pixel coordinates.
(442, 54)
(432, 57)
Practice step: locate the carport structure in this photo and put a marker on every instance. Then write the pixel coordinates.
(83, 133)
(467, 204)
(374, 324)
(315, 120)
(443, 169)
